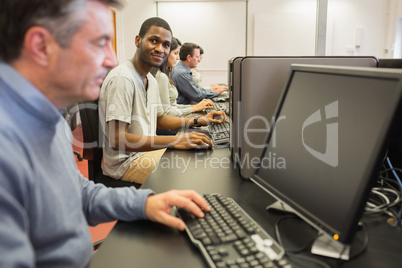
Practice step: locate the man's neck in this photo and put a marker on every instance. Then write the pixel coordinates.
(141, 68)
(40, 79)
(187, 64)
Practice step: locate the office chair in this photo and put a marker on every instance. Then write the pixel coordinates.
(70, 115)
(93, 137)
(96, 245)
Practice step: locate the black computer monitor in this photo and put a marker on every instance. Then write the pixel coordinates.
(234, 83)
(395, 147)
(261, 82)
(390, 63)
(323, 155)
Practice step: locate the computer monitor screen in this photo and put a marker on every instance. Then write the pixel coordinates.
(326, 147)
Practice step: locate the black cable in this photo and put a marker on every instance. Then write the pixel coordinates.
(398, 213)
(295, 253)
(388, 181)
(365, 243)
(379, 205)
(278, 236)
(391, 169)
(363, 247)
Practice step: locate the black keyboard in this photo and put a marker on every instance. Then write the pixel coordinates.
(225, 95)
(228, 237)
(218, 107)
(220, 133)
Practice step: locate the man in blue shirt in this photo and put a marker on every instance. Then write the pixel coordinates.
(189, 91)
(53, 54)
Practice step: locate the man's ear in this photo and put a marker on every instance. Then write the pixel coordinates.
(38, 44)
(137, 41)
(188, 57)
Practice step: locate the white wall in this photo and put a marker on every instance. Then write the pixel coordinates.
(393, 43)
(128, 23)
(347, 18)
(344, 16)
(256, 8)
(209, 25)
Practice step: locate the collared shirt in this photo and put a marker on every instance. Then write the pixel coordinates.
(189, 91)
(45, 203)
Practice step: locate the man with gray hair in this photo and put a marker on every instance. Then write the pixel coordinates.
(53, 54)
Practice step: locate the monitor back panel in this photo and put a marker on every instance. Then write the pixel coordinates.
(395, 147)
(390, 63)
(262, 83)
(234, 89)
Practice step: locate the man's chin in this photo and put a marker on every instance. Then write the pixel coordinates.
(157, 65)
(92, 94)
(158, 62)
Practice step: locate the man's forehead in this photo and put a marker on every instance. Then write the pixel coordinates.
(159, 32)
(197, 51)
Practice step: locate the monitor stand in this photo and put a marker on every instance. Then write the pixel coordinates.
(326, 246)
(323, 244)
(280, 206)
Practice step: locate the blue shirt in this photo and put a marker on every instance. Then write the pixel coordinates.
(189, 91)
(45, 203)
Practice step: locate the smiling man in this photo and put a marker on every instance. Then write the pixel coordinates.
(130, 110)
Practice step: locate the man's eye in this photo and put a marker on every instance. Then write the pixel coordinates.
(102, 43)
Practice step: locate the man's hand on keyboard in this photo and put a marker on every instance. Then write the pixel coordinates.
(216, 117)
(219, 88)
(193, 140)
(158, 207)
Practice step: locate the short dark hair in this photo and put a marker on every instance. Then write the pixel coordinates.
(57, 16)
(154, 21)
(187, 49)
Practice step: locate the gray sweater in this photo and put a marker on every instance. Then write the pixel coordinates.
(45, 203)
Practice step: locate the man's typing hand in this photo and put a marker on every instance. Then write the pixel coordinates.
(158, 207)
(193, 140)
(219, 88)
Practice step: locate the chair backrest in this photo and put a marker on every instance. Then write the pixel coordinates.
(93, 137)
